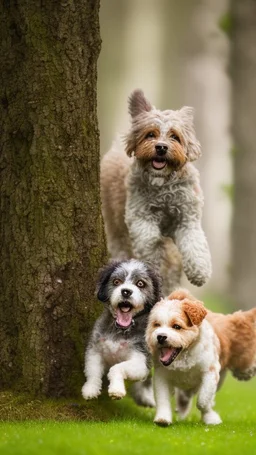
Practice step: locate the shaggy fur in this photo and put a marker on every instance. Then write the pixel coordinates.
(117, 346)
(192, 350)
(152, 202)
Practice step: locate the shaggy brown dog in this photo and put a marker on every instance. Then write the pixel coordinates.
(151, 196)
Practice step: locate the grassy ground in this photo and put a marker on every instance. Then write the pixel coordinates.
(128, 429)
(122, 428)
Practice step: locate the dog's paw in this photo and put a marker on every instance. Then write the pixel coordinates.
(163, 418)
(116, 393)
(197, 280)
(211, 418)
(90, 391)
(162, 421)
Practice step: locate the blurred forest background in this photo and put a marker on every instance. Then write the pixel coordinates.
(197, 53)
(187, 52)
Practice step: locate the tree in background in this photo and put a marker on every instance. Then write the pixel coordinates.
(243, 68)
(52, 240)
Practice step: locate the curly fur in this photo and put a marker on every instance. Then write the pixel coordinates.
(152, 205)
(117, 346)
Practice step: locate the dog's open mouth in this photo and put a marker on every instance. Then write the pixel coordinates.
(124, 315)
(168, 355)
(159, 163)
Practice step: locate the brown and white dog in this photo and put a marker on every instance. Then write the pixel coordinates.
(192, 349)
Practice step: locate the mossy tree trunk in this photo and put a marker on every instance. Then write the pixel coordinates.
(52, 240)
(243, 21)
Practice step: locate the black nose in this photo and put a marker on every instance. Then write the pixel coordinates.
(126, 292)
(161, 149)
(161, 339)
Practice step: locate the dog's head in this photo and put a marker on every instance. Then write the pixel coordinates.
(162, 141)
(173, 325)
(128, 288)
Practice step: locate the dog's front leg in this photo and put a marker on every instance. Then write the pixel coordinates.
(134, 369)
(163, 391)
(94, 370)
(145, 238)
(192, 244)
(205, 400)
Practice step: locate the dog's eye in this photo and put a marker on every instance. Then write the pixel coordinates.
(116, 282)
(140, 284)
(175, 137)
(176, 327)
(156, 324)
(150, 135)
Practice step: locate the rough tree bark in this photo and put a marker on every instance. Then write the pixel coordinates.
(52, 240)
(243, 68)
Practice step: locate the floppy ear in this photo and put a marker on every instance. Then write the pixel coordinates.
(138, 103)
(130, 144)
(103, 279)
(193, 145)
(194, 310)
(157, 284)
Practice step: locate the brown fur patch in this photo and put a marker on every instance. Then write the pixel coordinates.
(193, 308)
(236, 332)
(237, 336)
(195, 311)
(130, 145)
(180, 294)
(144, 148)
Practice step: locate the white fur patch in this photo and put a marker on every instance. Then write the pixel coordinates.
(195, 370)
(113, 352)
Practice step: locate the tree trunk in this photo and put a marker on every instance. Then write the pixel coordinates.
(52, 240)
(243, 69)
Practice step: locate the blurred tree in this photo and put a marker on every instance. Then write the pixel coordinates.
(243, 60)
(52, 240)
(197, 54)
(113, 14)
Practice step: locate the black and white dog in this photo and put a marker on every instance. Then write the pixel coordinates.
(129, 289)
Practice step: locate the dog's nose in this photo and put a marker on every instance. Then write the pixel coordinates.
(161, 149)
(126, 292)
(161, 339)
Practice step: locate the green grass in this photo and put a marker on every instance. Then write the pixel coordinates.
(129, 429)
(104, 427)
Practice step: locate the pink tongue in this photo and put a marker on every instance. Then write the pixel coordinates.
(166, 353)
(123, 319)
(159, 164)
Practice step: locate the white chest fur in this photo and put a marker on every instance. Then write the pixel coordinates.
(187, 370)
(114, 351)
